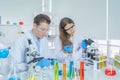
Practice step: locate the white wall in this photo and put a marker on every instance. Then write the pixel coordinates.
(114, 19)
(16, 10)
(89, 15)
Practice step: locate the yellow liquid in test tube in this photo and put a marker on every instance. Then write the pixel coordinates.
(33, 78)
(64, 71)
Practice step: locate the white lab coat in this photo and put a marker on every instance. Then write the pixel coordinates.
(17, 54)
(5, 66)
(76, 55)
(4, 62)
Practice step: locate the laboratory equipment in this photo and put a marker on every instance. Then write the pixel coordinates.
(92, 49)
(31, 54)
(99, 62)
(117, 61)
(56, 68)
(31, 60)
(110, 72)
(34, 63)
(82, 70)
(71, 67)
(64, 72)
(31, 51)
(89, 47)
(21, 23)
(68, 49)
(52, 33)
(13, 75)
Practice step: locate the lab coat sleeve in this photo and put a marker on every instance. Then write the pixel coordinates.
(18, 54)
(5, 66)
(16, 57)
(58, 50)
(77, 53)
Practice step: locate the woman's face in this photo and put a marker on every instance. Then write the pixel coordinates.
(69, 28)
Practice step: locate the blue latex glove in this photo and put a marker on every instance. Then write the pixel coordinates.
(4, 53)
(12, 78)
(68, 48)
(53, 61)
(83, 44)
(43, 63)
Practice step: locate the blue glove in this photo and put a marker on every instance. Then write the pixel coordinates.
(43, 63)
(53, 61)
(83, 44)
(13, 78)
(4, 53)
(68, 48)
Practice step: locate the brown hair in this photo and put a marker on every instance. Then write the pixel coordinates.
(42, 18)
(64, 36)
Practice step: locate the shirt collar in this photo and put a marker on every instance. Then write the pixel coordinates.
(33, 36)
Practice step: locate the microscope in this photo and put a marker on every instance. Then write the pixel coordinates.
(90, 47)
(31, 56)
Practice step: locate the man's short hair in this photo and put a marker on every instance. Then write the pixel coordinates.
(42, 18)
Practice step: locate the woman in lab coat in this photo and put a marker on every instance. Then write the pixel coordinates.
(68, 36)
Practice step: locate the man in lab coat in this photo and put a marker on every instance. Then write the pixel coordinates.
(34, 41)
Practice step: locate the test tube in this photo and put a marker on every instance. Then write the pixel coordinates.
(64, 71)
(32, 78)
(82, 70)
(71, 67)
(56, 70)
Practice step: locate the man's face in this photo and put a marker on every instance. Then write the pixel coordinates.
(41, 30)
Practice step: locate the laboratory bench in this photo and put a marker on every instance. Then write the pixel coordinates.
(48, 74)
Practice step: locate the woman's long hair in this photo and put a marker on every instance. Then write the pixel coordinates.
(64, 36)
